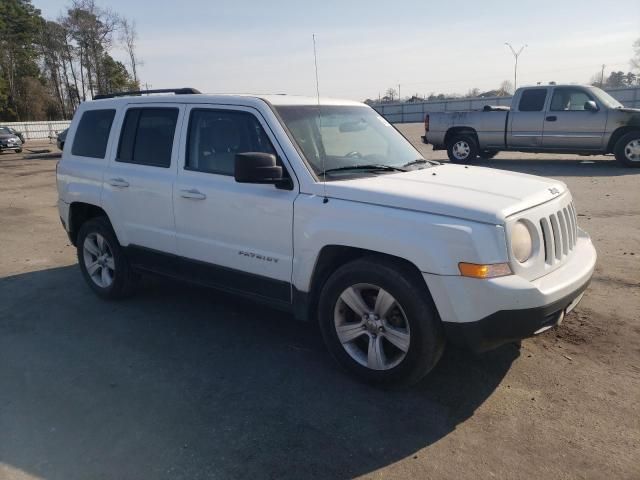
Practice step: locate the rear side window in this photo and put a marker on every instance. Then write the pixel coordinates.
(216, 136)
(92, 133)
(532, 100)
(147, 136)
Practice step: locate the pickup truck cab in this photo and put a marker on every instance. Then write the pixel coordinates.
(323, 209)
(575, 119)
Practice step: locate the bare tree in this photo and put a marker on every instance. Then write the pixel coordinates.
(505, 89)
(635, 61)
(390, 95)
(129, 38)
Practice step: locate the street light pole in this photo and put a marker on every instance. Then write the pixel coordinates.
(515, 56)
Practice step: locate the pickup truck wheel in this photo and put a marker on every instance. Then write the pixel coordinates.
(379, 322)
(102, 260)
(462, 149)
(627, 150)
(488, 154)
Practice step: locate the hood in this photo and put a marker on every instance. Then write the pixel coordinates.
(628, 110)
(474, 193)
(7, 136)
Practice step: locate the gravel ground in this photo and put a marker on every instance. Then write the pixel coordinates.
(181, 382)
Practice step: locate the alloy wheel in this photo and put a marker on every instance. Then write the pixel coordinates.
(99, 260)
(372, 326)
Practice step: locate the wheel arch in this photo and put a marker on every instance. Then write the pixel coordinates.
(79, 213)
(331, 257)
(618, 134)
(454, 131)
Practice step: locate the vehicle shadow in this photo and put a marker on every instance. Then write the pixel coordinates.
(183, 382)
(557, 166)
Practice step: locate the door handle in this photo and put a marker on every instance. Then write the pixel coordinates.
(551, 118)
(193, 194)
(118, 182)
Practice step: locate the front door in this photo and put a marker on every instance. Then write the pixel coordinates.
(568, 125)
(238, 236)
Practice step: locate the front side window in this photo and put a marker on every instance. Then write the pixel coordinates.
(216, 136)
(339, 140)
(532, 100)
(568, 99)
(92, 133)
(147, 136)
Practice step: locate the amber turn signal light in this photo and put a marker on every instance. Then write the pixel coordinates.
(474, 270)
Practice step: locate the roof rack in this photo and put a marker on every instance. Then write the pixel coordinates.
(177, 91)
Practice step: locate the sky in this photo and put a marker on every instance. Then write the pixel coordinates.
(366, 47)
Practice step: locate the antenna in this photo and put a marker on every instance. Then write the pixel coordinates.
(324, 174)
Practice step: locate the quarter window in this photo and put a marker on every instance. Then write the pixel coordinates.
(92, 134)
(215, 137)
(532, 100)
(147, 136)
(568, 99)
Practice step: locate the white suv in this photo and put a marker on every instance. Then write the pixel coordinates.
(323, 209)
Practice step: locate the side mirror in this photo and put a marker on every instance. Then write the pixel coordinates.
(591, 106)
(256, 167)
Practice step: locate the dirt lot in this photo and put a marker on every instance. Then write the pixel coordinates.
(180, 382)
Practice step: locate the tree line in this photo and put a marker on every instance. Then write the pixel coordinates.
(47, 67)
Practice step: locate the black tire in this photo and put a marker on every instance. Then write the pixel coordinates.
(488, 154)
(622, 153)
(426, 339)
(468, 143)
(19, 150)
(122, 283)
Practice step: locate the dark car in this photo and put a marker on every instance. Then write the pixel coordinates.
(9, 140)
(16, 133)
(62, 136)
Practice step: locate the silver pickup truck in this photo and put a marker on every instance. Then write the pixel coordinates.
(575, 119)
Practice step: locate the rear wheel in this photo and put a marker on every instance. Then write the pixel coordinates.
(627, 150)
(102, 260)
(462, 149)
(379, 322)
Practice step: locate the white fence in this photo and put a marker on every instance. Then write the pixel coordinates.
(39, 130)
(414, 112)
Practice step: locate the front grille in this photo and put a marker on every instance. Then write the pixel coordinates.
(559, 234)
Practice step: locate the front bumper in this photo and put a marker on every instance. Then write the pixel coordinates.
(483, 314)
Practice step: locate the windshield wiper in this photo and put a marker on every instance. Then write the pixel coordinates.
(420, 161)
(371, 167)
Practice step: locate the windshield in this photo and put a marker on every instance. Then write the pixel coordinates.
(347, 140)
(4, 131)
(605, 98)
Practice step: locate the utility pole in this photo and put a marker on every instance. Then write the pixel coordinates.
(399, 96)
(602, 76)
(515, 68)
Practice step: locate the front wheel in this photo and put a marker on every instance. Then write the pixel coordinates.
(627, 150)
(462, 149)
(379, 322)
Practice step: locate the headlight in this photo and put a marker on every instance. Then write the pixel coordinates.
(521, 242)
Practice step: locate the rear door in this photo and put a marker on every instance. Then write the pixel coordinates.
(239, 235)
(569, 126)
(138, 186)
(526, 119)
